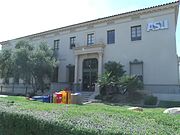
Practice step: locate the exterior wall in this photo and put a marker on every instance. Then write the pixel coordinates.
(157, 49)
(15, 89)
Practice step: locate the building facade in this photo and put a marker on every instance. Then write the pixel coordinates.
(144, 41)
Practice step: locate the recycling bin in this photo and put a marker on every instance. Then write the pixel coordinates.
(46, 99)
(54, 98)
(38, 98)
(41, 98)
(76, 98)
(58, 97)
(66, 97)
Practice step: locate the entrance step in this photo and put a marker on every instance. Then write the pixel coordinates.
(86, 96)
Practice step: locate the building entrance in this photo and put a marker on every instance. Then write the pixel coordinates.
(90, 74)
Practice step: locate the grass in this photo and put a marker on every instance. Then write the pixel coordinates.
(97, 117)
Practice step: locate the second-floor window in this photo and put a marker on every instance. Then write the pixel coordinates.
(111, 37)
(90, 39)
(56, 44)
(72, 42)
(136, 33)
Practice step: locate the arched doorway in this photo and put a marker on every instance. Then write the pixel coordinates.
(90, 74)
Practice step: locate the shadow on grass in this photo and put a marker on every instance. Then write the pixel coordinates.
(12, 94)
(132, 105)
(168, 104)
(161, 104)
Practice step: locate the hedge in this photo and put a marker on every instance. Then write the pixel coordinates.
(20, 124)
(21, 117)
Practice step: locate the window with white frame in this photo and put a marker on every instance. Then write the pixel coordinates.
(90, 39)
(136, 33)
(136, 68)
(56, 44)
(111, 37)
(72, 42)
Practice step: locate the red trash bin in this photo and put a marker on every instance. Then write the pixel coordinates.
(58, 98)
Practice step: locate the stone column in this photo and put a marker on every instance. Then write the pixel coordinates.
(76, 70)
(100, 64)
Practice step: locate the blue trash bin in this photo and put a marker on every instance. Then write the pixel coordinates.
(38, 98)
(46, 99)
(42, 98)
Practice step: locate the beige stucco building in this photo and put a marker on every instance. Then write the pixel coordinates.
(143, 41)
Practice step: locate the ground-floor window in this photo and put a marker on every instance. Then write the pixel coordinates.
(16, 79)
(136, 68)
(70, 73)
(55, 75)
(6, 80)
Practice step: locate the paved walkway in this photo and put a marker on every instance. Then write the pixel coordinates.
(3, 96)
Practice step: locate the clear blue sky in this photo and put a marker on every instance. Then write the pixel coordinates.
(24, 17)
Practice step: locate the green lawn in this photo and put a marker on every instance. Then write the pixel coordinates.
(96, 118)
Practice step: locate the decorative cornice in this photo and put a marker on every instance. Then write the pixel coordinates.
(96, 48)
(136, 61)
(102, 20)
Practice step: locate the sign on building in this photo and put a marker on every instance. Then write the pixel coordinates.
(160, 25)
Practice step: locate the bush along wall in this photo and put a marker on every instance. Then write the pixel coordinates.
(114, 81)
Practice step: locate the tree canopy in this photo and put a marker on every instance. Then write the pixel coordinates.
(6, 64)
(32, 64)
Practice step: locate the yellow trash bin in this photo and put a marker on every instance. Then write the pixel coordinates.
(54, 98)
(66, 97)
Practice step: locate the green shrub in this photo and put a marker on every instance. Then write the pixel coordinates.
(130, 83)
(99, 97)
(106, 82)
(114, 81)
(112, 85)
(109, 80)
(116, 69)
(150, 100)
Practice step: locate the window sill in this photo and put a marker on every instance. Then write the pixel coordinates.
(136, 40)
(111, 44)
